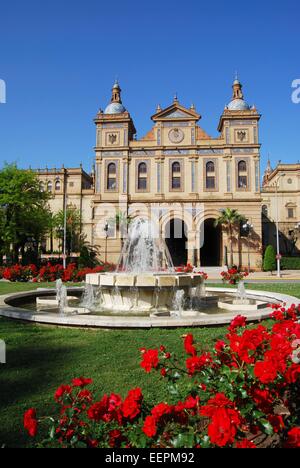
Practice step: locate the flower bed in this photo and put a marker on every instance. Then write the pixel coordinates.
(243, 394)
(50, 273)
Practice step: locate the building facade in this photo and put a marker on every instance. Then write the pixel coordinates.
(178, 176)
(281, 204)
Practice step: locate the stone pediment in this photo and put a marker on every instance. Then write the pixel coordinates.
(176, 112)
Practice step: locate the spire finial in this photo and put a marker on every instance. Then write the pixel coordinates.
(237, 88)
(116, 92)
(176, 97)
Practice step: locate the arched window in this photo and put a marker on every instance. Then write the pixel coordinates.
(242, 175)
(210, 176)
(57, 185)
(176, 176)
(49, 186)
(243, 166)
(142, 176)
(111, 176)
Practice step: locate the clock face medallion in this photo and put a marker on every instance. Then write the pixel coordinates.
(176, 135)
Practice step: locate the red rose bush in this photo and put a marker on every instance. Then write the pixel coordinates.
(242, 394)
(50, 273)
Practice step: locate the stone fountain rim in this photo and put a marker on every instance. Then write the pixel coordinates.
(90, 321)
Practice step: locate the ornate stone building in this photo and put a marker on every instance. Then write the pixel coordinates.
(176, 174)
(281, 201)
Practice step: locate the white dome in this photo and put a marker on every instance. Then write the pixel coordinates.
(115, 108)
(238, 104)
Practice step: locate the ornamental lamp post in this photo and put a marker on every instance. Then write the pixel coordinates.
(278, 256)
(106, 229)
(248, 227)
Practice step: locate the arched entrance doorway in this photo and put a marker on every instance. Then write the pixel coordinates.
(211, 252)
(176, 241)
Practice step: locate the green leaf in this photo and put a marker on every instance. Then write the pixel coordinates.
(267, 427)
(183, 441)
(173, 389)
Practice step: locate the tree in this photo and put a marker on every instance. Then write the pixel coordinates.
(73, 228)
(231, 219)
(270, 259)
(24, 209)
(88, 253)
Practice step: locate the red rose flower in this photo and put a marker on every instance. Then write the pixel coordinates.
(81, 382)
(219, 346)
(293, 438)
(107, 410)
(150, 427)
(276, 422)
(160, 410)
(223, 427)
(115, 438)
(30, 422)
(196, 364)
(131, 406)
(265, 372)
(238, 322)
(188, 345)
(245, 444)
(150, 360)
(62, 391)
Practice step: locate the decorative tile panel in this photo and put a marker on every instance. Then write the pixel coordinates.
(210, 151)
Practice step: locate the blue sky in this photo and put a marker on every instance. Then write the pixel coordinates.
(59, 61)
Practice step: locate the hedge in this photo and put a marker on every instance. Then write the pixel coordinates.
(290, 263)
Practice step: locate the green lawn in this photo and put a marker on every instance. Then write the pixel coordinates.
(40, 358)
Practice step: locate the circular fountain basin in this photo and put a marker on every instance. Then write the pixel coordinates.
(140, 294)
(11, 307)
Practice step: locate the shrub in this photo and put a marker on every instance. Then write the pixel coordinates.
(270, 259)
(243, 391)
(20, 273)
(290, 263)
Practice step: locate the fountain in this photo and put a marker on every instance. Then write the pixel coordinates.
(63, 299)
(145, 291)
(58, 285)
(242, 301)
(241, 295)
(88, 297)
(145, 279)
(53, 302)
(178, 303)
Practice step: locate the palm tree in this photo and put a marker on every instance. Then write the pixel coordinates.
(230, 218)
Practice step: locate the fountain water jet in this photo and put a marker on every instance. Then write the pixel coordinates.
(63, 300)
(88, 299)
